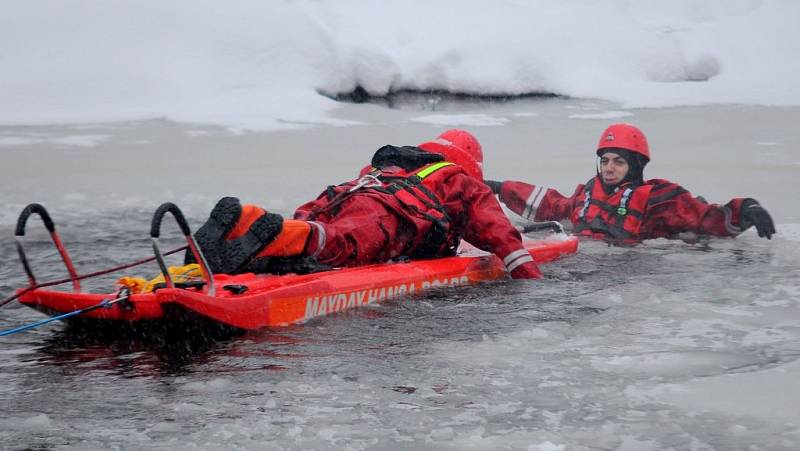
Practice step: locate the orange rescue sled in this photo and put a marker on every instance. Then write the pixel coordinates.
(252, 301)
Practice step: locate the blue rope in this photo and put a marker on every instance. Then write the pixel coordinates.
(105, 304)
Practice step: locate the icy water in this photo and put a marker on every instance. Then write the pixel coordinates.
(666, 346)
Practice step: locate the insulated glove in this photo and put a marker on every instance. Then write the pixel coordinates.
(753, 214)
(494, 185)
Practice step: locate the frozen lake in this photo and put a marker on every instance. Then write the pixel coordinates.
(663, 346)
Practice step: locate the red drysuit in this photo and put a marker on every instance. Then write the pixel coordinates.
(417, 213)
(656, 209)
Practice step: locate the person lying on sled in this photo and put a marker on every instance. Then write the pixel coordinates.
(618, 205)
(411, 202)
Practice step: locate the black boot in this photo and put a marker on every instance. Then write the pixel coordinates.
(237, 253)
(299, 264)
(210, 236)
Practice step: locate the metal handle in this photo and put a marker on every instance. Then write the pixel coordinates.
(555, 226)
(51, 227)
(155, 233)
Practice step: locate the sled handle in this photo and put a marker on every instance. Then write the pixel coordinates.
(51, 227)
(554, 226)
(155, 233)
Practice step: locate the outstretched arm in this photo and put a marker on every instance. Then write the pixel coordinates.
(535, 203)
(673, 210)
(737, 216)
(475, 210)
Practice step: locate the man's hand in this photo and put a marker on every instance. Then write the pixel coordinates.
(753, 214)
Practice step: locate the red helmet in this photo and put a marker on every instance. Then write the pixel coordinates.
(624, 136)
(454, 154)
(466, 141)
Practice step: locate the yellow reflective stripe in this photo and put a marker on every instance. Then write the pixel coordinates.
(432, 168)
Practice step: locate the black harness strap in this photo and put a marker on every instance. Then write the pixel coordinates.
(615, 226)
(666, 196)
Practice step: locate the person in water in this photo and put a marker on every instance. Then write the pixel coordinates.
(410, 202)
(618, 205)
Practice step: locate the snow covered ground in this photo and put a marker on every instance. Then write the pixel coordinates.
(260, 65)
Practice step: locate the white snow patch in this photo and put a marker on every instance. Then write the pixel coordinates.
(10, 141)
(64, 141)
(603, 115)
(213, 385)
(673, 363)
(547, 446)
(74, 197)
(771, 393)
(79, 140)
(39, 422)
(454, 120)
(277, 57)
(165, 426)
(789, 232)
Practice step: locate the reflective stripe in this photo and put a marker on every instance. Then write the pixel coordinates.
(433, 168)
(515, 255)
(521, 260)
(732, 229)
(322, 238)
(533, 202)
(586, 201)
(623, 203)
(626, 195)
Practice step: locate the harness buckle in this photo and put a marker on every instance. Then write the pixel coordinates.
(367, 181)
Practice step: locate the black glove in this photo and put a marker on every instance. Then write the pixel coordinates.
(753, 214)
(494, 185)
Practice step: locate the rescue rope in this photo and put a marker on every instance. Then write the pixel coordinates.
(87, 276)
(106, 303)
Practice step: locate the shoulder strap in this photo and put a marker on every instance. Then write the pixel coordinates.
(587, 197)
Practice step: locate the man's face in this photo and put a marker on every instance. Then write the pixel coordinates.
(613, 168)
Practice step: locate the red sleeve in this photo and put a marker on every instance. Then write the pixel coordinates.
(537, 202)
(476, 212)
(672, 210)
(723, 220)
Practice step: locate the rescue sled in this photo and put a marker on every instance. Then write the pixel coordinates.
(253, 301)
